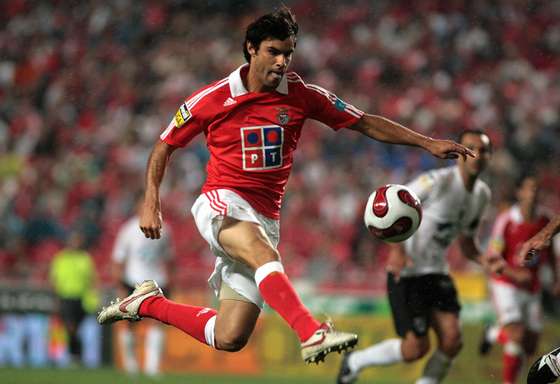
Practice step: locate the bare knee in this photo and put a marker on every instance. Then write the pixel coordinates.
(230, 342)
(451, 344)
(414, 348)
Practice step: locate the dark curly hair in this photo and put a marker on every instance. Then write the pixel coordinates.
(279, 24)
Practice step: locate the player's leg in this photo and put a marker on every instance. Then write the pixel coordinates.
(127, 346)
(447, 328)
(443, 298)
(248, 243)
(513, 355)
(126, 337)
(514, 307)
(410, 318)
(491, 334)
(72, 314)
(153, 345)
(153, 348)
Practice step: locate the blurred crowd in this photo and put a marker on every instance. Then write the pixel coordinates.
(87, 87)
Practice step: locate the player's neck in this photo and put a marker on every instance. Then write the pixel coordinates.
(468, 179)
(527, 212)
(252, 82)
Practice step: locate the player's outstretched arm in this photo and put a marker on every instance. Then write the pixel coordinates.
(150, 217)
(387, 131)
(491, 262)
(540, 240)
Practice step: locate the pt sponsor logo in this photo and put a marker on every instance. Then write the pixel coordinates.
(262, 147)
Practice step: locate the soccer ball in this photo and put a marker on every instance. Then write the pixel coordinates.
(393, 213)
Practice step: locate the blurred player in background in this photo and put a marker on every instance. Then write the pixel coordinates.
(73, 277)
(516, 292)
(546, 369)
(252, 120)
(137, 258)
(421, 292)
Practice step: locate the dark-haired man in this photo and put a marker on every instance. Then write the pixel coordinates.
(252, 120)
(516, 292)
(421, 292)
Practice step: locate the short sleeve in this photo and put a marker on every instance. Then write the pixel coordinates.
(327, 108)
(423, 185)
(186, 124)
(497, 242)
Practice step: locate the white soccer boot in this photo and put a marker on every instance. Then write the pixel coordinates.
(324, 341)
(127, 308)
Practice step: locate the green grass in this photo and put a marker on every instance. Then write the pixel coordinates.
(110, 376)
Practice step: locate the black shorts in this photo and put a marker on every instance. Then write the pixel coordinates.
(129, 288)
(413, 298)
(72, 311)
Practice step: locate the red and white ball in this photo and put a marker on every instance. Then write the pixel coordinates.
(393, 213)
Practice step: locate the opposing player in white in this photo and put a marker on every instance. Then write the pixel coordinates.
(137, 258)
(421, 292)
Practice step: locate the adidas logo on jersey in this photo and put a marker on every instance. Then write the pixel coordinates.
(229, 102)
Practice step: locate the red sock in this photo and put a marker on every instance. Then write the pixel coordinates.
(512, 366)
(502, 338)
(187, 318)
(278, 292)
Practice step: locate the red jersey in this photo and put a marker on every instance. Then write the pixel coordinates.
(252, 136)
(508, 235)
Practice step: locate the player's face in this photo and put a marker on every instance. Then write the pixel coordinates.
(527, 192)
(270, 62)
(480, 145)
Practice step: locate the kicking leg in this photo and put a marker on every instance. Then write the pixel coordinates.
(248, 243)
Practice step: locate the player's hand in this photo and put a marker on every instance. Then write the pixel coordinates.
(151, 222)
(397, 261)
(448, 149)
(529, 251)
(493, 263)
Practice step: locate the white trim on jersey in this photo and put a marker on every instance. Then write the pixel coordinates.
(195, 99)
(237, 88)
(348, 108)
(191, 102)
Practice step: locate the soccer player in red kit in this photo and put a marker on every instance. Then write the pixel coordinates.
(546, 369)
(516, 291)
(252, 121)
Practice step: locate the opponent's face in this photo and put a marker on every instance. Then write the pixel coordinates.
(527, 192)
(270, 62)
(480, 145)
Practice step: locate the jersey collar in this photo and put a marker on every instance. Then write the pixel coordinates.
(237, 88)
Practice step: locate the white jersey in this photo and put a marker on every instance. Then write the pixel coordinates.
(143, 258)
(448, 210)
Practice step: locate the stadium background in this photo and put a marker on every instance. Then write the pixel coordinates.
(86, 87)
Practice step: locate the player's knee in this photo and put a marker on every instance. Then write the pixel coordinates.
(452, 344)
(414, 349)
(230, 342)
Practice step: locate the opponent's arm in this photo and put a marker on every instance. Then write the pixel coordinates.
(150, 217)
(397, 260)
(387, 131)
(492, 262)
(540, 240)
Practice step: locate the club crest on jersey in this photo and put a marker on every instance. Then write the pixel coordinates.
(283, 116)
(182, 116)
(262, 147)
